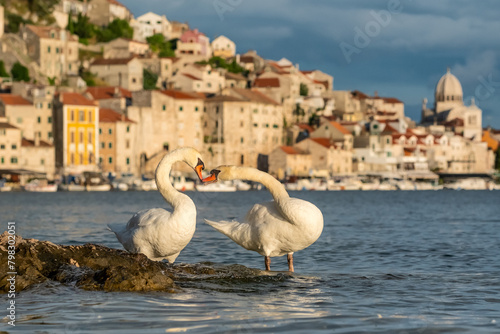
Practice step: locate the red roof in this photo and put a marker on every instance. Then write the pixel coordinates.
(307, 127)
(14, 100)
(112, 61)
(190, 76)
(267, 82)
(46, 32)
(76, 99)
(323, 142)
(31, 143)
(390, 100)
(246, 59)
(290, 150)
(340, 128)
(177, 94)
(4, 125)
(359, 95)
(389, 128)
(102, 93)
(324, 83)
(107, 115)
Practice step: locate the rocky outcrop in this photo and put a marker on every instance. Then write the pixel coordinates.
(94, 267)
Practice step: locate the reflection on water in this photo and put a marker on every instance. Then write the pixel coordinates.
(407, 262)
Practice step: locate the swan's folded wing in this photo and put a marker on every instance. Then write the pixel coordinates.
(147, 217)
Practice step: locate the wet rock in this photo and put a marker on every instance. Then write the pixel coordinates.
(90, 267)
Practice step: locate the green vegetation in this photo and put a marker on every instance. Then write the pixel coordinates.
(20, 72)
(116, 29)
(298, 112)
(304, 91)
(314, 120)
(149, 80)
(37, 12)
(159, 44)
(219, 62)
(14, 21)
(82, 28)
(3, 71)
(89, 78)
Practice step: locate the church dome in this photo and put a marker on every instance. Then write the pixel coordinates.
(448, 88)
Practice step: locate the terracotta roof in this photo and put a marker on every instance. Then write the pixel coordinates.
(107, 115)
(76, 99)
(455, 122)
(253, 95)
(359, 95)
(386, 113)
(45, 32)
(112, 61)
(190, 76)
(306, 72)
(31, 143)
(246, 59)
(307, 127)
(102, 93)
(390, 99)
(225, 98)
(4, 125)
(389, 129)
(176, 94)
(492, 143)
(323, 142)
(324, 83)
(347, 123)
(340, 128)
(266, 82)
(290, 150)
(117, 3)
(11, 99)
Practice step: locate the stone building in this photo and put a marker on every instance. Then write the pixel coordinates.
(10, 145)
(54, 49)
(117, 139)
(111, 97)
(223, 47)
(287, 160)
(125, 48)
(121, 72)
(19, 112)
(103, 12)
(38, 156)
(150, 24)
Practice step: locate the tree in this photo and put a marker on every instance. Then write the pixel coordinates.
(20, 72)
(219, 62)
(81, 27)
(116, 29)
(497, 160)
(149, 79)
(159, 44)
(3, 72)
(304, 90)
(298, 112)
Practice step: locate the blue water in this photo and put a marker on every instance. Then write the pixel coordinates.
(387, 262)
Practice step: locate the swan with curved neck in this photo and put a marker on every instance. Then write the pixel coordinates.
(283, 226)
(158, 233)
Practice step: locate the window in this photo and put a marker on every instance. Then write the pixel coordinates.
(128, 128)
(255, 111)
(2, 147)
(100, 131)
(19, 120)
(195, 108)
(90, 137)
(13, 160)
(2, 160)
(133, 80)
(82, 116)
(50, 134)
(110, 131)
(14, 146)
(57, 50)
(241, 140)
(110, 145)
(81, 137)
(180, 108)
(72, 137)
(42, 162)
(242, 124)
(49, 120)
(100, 160)
(90, 116)
(242, 159)
(39, 120)
(217, 109)
(49, 105)
(72, 115)
(166, 66)
(81, 158)
(103, 145)
(389, 154)
(255, 125)
(163, 107)
(388, 141)
(127, 143)
(242, 109)
(48, 49)
(72, 158)
(128, 161)
(275, 126)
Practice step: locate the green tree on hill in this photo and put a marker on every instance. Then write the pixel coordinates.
(116, 29)
(497, 159)
(20, 72)
(220, 62)
(3, 71)
(304, 90)
(149, 79)
(160, 45)
(82, 28)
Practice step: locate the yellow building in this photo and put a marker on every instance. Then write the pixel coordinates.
(76, 131)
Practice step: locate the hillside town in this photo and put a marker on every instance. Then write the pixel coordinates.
(90, 94)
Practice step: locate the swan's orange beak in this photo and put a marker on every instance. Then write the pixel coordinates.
(212, 178)
(199, 167)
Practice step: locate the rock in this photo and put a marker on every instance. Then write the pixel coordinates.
(90, 267)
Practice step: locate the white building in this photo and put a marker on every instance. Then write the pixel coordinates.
(223, 47)
(150, 24)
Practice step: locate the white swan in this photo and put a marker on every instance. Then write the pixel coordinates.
(158, 233)
(275, 228)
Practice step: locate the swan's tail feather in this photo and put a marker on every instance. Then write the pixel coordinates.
(224, 227)
(115, 228)
(236, 231)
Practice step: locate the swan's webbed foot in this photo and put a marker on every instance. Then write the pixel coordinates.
(267, 261)
(289, 257)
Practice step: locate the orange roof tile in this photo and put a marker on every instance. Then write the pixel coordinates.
(307, 127)
(340, 128)
(190, 76)
(491, 142)
(31, 143)
(45, 32)
(102, 93)
(11, 99)
(107, 115)
(112, 61)
(177, 94)
(76, 99)
(323, 142)
(267, 82)
(289, 150)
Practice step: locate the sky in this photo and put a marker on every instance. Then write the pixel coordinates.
(397, 48)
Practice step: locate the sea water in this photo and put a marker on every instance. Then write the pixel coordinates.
(387, 262)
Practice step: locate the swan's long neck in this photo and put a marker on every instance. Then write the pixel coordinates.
(165, 187)
(274, 186)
